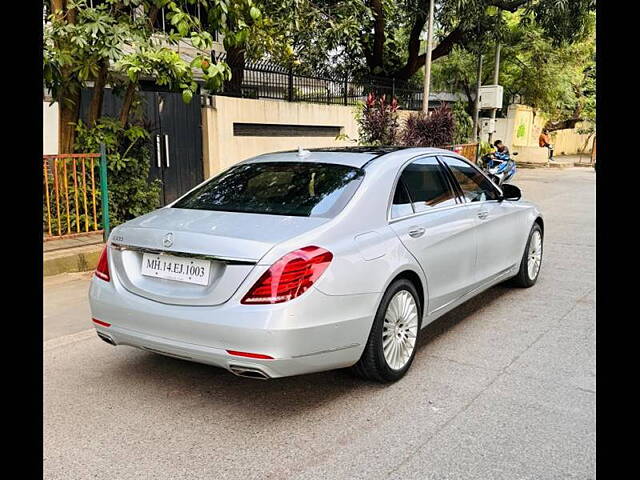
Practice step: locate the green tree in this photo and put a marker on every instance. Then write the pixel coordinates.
(557, 79)
(115, 43)
(384, 37)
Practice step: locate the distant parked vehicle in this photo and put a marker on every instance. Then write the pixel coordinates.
(298, 262)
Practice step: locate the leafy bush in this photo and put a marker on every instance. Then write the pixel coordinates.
(131, 194)
(485, 147)
(378, 121)
(435, 129)
(463, 124)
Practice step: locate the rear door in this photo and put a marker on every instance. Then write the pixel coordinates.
(434, 225)
(497, 222)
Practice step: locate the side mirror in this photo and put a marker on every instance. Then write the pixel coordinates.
(510, 192)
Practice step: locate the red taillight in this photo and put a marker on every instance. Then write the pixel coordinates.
(102, 270)
(290, 276)
(249, 355)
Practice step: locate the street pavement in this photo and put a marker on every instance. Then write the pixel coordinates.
(503, 387)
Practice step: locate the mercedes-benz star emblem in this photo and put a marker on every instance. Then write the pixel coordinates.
(167, 240)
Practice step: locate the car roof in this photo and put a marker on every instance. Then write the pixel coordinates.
(351, 156)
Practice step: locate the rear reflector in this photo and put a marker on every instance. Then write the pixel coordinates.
(289, 277)
(100, 322)
(102, 270)
(249, 355)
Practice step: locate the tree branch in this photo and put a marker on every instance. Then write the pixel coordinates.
(456, 36)
(568, 123)
(508, 5)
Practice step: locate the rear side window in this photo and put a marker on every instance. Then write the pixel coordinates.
(426, 186)
(401, 202)
(278, 188)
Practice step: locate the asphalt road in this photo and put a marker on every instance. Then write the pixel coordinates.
(503, 387)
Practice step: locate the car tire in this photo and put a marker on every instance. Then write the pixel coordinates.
(524, 277)
(373, 364)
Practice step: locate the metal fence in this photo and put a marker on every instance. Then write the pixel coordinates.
(72, 200)
(263, 79)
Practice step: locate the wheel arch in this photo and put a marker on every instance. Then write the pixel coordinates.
(418, 283)
(540, 222)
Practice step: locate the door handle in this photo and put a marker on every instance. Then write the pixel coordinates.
(483, 214)
(158, 151)
(166, 149)
(416, 232)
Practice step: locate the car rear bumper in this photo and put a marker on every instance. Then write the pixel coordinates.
(312, 333)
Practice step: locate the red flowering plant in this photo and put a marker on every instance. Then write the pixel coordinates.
(378, 121)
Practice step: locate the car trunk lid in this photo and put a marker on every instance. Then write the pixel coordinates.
(230, 243)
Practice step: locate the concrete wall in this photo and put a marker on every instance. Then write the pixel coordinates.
(221, 148)
(521, 130)
(569, 142)
(49, 128)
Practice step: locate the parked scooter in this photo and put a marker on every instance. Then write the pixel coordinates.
(500, 167)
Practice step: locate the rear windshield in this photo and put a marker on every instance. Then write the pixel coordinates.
(278, 188)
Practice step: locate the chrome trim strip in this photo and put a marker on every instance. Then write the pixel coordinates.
(214, 258)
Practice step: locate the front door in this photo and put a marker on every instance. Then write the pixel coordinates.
(496, 221)
(434, 225)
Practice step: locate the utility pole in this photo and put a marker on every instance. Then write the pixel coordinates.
(427, 61)
(476, 108)
(496, 78)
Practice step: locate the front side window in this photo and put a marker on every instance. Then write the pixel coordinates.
(278, 188)
(426, 187)
(475, 186)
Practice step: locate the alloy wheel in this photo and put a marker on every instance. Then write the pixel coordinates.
(534, 255)
(400, 329)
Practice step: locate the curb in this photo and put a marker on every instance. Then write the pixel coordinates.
(80, 259)
(544, 165)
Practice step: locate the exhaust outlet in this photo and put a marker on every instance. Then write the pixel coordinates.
(107, 338)
(248, 372)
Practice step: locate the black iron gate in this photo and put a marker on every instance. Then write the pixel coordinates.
(176, 138)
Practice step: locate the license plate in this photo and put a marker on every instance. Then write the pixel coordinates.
(180, 269)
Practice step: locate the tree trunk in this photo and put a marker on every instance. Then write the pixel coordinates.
(129, 96)
(69, 100)
(236, 61)
(376, 59)
(69, 110)
(412, 64)
(95, 108)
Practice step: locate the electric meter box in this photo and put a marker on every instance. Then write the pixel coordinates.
(491, 96)
(487, 126)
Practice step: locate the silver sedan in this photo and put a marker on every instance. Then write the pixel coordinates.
(297, 262)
